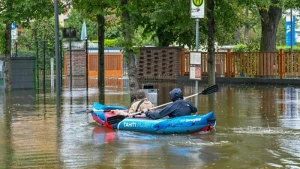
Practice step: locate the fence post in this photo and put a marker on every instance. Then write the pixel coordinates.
(182, 58)
(281, 64)
(228, 64)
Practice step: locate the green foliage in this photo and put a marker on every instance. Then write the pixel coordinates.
(76, 19)
(251, 47)
(280, 35)
(22, 12)
(167, 21)
(288, 48)
(230, 21)
(2, 38)
(40, 33)
(255, 48)
(240, 48)
(25, 53)
(109, 43)
(142, 38)
(113, 31)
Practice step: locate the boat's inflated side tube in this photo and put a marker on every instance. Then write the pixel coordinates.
(185, 124)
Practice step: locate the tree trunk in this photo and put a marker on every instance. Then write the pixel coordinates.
(246, 31)
(269, 23)
(101, 78)
(7, 58)
(128, 51)
(211, 43)
(133, 83)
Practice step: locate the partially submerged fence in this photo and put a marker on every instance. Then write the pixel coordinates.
(113, 66)
(249, 64)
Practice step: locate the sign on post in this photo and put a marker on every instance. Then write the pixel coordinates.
(195, 65)
(14, 31)
(290, 33)
(197, 8)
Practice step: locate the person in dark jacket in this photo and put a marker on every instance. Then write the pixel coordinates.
(179, 107)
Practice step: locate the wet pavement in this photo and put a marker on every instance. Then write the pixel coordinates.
(258, 126)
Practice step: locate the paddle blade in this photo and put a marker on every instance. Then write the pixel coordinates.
(81, 111)
(210, 90)
(115, 119)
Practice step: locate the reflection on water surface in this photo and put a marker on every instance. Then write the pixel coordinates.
(257, 126)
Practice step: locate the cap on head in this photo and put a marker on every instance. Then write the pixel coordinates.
(176, 94)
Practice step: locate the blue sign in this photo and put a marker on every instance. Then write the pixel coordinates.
(290, 33)
(13, 26)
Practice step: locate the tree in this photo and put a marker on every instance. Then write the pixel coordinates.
(270, 17)
(211, 42)
(127, 28)
(270, 12)
(97, 10)
(20, 12)
(76, 19)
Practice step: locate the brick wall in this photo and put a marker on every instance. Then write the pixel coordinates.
(159, 63)
(78, 62)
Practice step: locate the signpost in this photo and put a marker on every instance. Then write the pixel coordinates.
(14, 31)
(14, 36)
(195, 65)
(197, 11)
(290, 38)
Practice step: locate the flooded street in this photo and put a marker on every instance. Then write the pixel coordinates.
(258, 126)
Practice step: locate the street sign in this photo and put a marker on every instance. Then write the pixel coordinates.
(14, 31)
(197, 8)
(290, 33)
(195, 65)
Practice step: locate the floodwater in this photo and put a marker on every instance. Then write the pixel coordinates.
(258, 126)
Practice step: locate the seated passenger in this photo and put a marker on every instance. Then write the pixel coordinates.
(138, 105)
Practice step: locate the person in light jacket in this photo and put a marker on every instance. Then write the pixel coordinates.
(179, 107)
(141, 102)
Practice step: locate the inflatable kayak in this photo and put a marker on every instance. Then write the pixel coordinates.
(177, 125)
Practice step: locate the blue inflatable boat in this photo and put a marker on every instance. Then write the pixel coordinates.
(178, 125)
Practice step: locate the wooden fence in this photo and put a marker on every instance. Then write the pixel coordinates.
(113, 65)
(249, 64)
(113, 69)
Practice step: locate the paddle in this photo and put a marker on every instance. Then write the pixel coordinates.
(119, 118)
(81, 111)
(100, 107)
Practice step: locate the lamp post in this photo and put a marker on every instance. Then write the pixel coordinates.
(56, 28)
(84, 37)
(70, 33)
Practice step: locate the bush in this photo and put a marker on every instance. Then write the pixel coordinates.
(251, 47)
(240, 48)
(288, 48)
(109, 43)
(24, 53)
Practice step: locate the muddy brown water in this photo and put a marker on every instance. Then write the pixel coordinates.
(258, 126)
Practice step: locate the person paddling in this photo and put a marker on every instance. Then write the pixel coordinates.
(179, 107)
